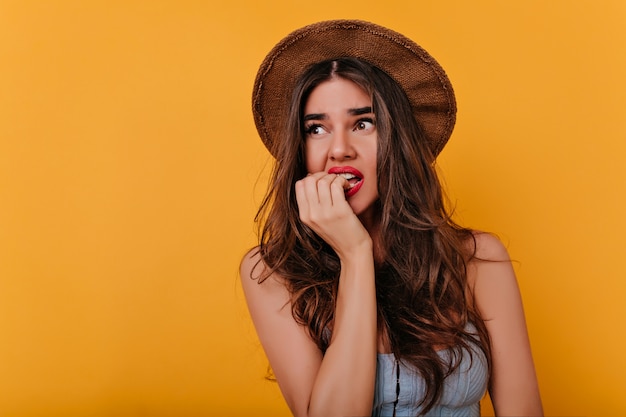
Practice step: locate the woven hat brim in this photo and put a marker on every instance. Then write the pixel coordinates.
(423, 80)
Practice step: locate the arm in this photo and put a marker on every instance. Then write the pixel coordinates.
(341, 382)
(514, 388)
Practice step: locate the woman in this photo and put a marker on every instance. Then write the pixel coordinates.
(367, 298)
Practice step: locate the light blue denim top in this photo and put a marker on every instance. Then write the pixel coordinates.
(462, 390)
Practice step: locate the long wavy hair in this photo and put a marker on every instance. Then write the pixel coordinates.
(423, 298)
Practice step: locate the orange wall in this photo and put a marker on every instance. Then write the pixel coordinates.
(128, 181)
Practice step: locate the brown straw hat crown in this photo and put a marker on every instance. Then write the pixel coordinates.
(420, 76)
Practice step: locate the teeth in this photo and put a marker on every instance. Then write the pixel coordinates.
(347, 176)
(350, 178)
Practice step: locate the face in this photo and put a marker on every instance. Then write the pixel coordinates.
(341, 138)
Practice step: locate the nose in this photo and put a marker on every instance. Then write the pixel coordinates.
(341, 147)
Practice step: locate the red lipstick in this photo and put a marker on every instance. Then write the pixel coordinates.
(353, 175)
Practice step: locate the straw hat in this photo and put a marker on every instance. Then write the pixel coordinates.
(420, 76)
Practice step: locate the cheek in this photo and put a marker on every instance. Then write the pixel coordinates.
(314, 159)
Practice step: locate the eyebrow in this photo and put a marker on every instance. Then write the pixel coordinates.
(353, 112)
(360, 111)
(315, 116)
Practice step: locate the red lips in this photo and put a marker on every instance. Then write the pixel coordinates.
(352, 171)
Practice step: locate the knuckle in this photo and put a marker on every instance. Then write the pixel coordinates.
(314, 218)
(326, 181)
(336, 185)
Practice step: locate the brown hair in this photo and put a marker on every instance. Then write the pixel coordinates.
(423, 298)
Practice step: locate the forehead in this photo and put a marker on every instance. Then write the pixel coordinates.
(336, 93)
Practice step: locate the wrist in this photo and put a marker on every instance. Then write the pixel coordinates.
(358, 253)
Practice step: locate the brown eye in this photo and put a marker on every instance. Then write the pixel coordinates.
(364, 124)
(314, 130)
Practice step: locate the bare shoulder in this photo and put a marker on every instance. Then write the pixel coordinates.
(266, 294)
(257, 282)
(251, 266)
(491, 276)
(489, 248)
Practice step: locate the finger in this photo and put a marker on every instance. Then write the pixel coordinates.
(303, 204)
(324, 185)
(338, 189)
(306, 195)
(310, 188)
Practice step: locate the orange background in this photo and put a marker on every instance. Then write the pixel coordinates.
(130, 171)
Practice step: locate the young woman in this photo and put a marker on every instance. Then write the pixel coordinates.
(367, 298)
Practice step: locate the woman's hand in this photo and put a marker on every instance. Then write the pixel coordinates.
(323, 207)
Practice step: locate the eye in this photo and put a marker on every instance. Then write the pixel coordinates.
(364, 124)
(314, 129)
